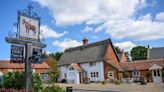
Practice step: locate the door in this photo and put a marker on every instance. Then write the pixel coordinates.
(157, 76)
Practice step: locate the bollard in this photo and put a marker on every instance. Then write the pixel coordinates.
(68, 89)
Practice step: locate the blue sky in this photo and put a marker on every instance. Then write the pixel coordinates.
(66, 22)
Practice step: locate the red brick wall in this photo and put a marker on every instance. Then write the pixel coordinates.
(107, 68)
(123, 58)
(110, 55)
(143, 73)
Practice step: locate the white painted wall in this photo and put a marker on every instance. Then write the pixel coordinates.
(99, 67)
(63, 71)
(73, 76)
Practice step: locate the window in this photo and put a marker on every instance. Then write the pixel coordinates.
(65, 75)
(10, 70)
(67, 66)
(158, 73)
(91, 74)
(97, 74)
(92, 63)
(94, 74)
(154, 73)
(135, 73)
(46, 76)
(33, 70)
(111, 74)
(71, 68)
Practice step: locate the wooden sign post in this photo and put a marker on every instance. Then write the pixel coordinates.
(27, 35)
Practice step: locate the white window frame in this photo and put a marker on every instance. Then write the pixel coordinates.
(92, 64)
(135, 73)
(10, 70)
(109, 73)
(71, 68)
(94, 74)
(33, 70)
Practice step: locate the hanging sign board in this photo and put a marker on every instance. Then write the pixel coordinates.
(28, 28)
(37, 54)
(17, 54)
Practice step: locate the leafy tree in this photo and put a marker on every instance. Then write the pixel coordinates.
(139, 53)
(53, 70)
(56, 55)
(117, 49)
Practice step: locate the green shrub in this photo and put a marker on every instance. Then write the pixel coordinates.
(14, 80)
(103, 82)
(117, 82)
(37, 82)
(53, 88)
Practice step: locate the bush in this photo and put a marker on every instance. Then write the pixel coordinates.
(53, 88)
(117, 82)
(125, 74)
(103, 82)
(37, 82)
(14, 80)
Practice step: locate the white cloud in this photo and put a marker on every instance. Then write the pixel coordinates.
(160, 16)
(142, 29)
(68, 12)
(66, 43)
(50, 33)
(48, 52)
(95, 37)
(87, 29)
(126, 46)
(117, 17)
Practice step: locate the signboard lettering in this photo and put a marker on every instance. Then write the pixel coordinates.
(17, 54)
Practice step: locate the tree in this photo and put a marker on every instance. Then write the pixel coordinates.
(56, 55)
(53, 71)
(139, 53)
(117, 49)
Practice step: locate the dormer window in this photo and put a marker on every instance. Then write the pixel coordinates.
(71, 68)
(92, 63)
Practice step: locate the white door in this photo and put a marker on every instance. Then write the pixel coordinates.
(111, 75)
(157, 76)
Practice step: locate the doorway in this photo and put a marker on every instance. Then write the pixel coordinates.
(157, 76)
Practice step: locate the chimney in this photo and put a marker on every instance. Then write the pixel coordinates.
(148, 52)
(85, 41)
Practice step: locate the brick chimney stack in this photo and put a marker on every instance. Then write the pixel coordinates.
(85, 41)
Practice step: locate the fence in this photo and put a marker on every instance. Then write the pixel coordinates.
(70, 89)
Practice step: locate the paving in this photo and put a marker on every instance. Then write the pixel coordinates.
(98, 87)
